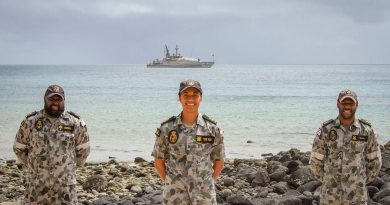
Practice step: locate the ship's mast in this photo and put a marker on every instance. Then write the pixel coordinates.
(167, 51)
(177, 48)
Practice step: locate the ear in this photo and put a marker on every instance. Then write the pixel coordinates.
(338, 104)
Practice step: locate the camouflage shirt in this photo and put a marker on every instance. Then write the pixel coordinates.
(189, 153)
(51, 150)
(345, 159)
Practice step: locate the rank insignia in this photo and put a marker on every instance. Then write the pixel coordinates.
(173, 136)
(158, 132)
(361, 138)
(204, 139)
(65, 128)
(333, 135)
(39, 125)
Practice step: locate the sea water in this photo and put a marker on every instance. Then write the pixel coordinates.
(277, 107)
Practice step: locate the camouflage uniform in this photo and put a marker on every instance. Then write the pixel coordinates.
(51, 152)
(189, 153)
(345, 160)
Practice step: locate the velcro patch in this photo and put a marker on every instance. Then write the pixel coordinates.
(362, 138)
(65, 128)
(204, 139)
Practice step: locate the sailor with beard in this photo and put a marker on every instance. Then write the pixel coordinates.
(52, 143)
(345, 155)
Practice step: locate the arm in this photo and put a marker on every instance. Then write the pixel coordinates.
(21, 143)
(218, 166)
(82, 144)
(158, 153)
(317, 157)
(159, 164)
(373, 157)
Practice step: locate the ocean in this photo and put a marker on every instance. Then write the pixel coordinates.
(275, 106)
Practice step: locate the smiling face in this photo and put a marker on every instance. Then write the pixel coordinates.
(54, 105)
(347, 109)
(190, 100)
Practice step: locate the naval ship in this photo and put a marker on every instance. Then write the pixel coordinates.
(178, 61)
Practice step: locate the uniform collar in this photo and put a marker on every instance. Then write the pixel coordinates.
(355, 123)
(199, 120)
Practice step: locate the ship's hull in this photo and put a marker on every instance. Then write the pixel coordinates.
(181, 65)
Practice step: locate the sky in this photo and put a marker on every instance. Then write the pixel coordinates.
(235, 31)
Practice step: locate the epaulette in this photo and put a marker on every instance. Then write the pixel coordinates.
(205, 117)
(327, 122)
(365, 122)
(31, 114)
(74, 114)
(169, 120)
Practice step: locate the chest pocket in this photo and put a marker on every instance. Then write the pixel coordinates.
(203, 145)
(358, 143)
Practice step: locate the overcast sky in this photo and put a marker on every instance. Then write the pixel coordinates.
(236, 31)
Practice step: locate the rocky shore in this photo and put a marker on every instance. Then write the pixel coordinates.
(282, 179)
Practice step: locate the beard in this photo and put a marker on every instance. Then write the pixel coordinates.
(54, 113)
(347, 114)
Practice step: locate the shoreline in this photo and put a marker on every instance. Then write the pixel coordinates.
(282, 178)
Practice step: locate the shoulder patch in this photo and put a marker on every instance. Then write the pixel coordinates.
(31, 114)
(327, 122)
(74, 114)
(205, 117)
(365, 122)
(169, 120)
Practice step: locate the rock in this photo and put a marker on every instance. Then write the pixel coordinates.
(306, 200)
(381, 194)
(278, 176)
(290, 200)
(236, 199)
(228, 182)
(293, 166)
(261, 201)
(372, 190)
(300, 177)
(95, 182)
(250, 141)
(309, 186)
(139, 160)
(377, 182)
(105, 200)
(386, 159)
(246, 172)
(385, 200)
(267, 155)
(136, 189)
(261, 179)
(281, 187)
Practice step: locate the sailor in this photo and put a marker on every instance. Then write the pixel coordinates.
(189, 152)
(52, 143)
(345, 155)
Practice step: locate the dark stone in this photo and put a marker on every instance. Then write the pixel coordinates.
(290, 200)
(105, 200)
(112, 161)
(293, 166)
(306, 200)
(285, 158)
(280, 187)
(261, 179)
(372, 190)
(300, 177)
(386, 159)
(238, 200)
(385, 200)
(309, 186)
(228, 182)
(377, 182)
(250, 141)
(381, 194)
(267, 155)
(278, 176)
(305, 160)
(139, 160)
(264, 201)
(246, 172)
(97, 182)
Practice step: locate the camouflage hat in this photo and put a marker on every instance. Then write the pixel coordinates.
(190, 84)
(55, 90)
(344, 94)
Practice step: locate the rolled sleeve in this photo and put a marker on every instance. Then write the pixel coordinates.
(318, 155)
(218, 152)
(160, 146)
(21, 144)
(82, 145)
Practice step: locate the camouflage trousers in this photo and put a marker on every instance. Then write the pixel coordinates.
(352, 196)
(45, 195)
(182, 191)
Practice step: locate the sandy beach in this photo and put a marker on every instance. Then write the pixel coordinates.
(283, 178)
